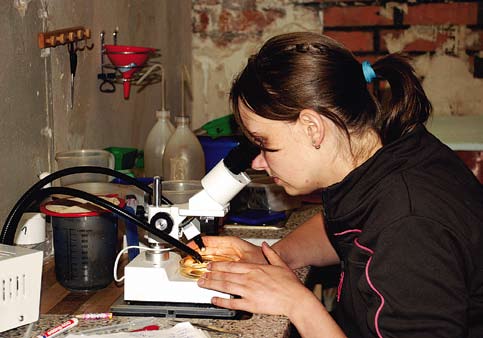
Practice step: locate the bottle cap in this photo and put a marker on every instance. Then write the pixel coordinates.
(163, 113)
(182, 119)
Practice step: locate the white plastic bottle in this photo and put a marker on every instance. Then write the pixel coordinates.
(156, 143)
(183, 157)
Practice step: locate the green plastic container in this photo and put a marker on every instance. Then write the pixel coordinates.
(124, 158)
(222, 126)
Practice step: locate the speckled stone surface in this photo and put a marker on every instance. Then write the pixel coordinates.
(294, 219)
(257, 326)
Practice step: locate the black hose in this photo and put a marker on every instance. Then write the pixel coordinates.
(43, 193)
(10, 226)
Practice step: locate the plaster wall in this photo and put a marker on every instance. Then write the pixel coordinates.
(37, 120)
(225, 33)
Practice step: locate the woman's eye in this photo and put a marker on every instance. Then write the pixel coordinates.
(262, 144)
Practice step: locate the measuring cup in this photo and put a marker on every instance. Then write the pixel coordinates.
(84, 157)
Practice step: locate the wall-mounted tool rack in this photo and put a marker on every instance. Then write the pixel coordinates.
(63, 36)
(69, 37)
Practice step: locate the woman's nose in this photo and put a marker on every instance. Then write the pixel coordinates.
(259, 162)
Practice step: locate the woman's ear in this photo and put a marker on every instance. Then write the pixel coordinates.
(313, 126)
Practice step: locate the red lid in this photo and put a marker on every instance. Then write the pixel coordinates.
(78, 207)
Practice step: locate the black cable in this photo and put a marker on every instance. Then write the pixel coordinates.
(43, 193)
(7, 235)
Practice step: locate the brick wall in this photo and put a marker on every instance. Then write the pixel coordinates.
(369, 29)
(233, 21)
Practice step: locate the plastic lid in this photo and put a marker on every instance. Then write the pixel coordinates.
(82, 153)
(182, 119)
(163, 113)
(78, 207)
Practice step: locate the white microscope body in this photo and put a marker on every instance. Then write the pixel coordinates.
(153, 276)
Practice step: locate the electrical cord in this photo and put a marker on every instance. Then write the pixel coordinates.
(116, 262)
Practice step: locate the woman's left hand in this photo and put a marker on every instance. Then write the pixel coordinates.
(270, 289)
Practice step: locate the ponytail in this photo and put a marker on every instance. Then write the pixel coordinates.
(301, 70)
(408, 105)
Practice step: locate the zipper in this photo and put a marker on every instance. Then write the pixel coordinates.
(341, 281)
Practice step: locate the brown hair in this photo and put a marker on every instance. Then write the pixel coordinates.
(297, 71)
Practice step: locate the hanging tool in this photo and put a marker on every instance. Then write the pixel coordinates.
(71, 37)
(107, 84)
(73, 67)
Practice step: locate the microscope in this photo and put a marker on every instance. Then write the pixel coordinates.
(153, 281)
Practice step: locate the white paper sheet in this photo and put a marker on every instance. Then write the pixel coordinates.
(180, 330)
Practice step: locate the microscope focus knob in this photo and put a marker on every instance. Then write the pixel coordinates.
(162, 221)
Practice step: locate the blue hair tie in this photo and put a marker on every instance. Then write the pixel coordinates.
(369, 73)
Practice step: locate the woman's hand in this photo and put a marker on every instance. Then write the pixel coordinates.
(269, 289)
(231, 246)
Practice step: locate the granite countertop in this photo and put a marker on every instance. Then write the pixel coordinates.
(255, 326)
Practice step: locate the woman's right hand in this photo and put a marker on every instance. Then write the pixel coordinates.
(231, 246)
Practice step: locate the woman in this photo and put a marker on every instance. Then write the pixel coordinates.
(402, 214)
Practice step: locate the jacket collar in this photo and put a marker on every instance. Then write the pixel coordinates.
(341, 198)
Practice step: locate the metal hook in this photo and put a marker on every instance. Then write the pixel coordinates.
(84, 38)
(102, 38)
(114, 36)
(107, 84)
(77, 48)
(87, 46)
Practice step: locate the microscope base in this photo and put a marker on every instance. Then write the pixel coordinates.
(162, 282)
(171, 310)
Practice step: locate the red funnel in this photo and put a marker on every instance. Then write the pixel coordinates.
(128, 59)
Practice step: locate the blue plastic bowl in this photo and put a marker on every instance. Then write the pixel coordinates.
(216, 149)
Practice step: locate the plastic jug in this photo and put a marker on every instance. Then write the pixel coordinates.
(183, 157)
(85, 242)
(156, 143)
(84, 157)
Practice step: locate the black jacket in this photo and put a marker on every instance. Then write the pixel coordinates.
(407, 225)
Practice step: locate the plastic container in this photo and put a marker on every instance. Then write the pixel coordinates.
(222, 126)
(263, 194)
(183, 157)
(256, 217)
(192, 269)
(156, 143)
(84, 157)
(180, 191)
(85, 243)
(216, 149)
(30, 229)
(124, 158)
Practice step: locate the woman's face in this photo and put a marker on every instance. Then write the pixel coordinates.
(287, 153)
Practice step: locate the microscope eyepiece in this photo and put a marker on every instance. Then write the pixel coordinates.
(240, 158)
